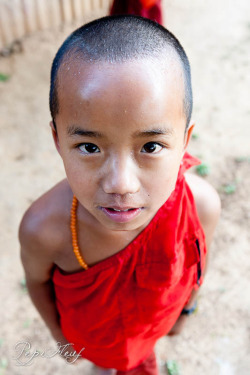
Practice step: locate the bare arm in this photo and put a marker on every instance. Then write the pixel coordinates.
(208, 207)
(37, 260)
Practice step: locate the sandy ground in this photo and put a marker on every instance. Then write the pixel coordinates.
(216, 36)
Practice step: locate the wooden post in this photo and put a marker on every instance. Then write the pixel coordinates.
(16, 19)
(29, 15)
(43, 13)
(77, 9)
(95, 4)
(86, 6)
(2, 34)
(22, 17)
(53, 7)
(66, 11)
(105, 5)
(6, 27)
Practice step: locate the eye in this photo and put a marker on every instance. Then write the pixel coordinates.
(152, 147)
(88, 148)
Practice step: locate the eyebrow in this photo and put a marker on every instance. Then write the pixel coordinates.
(74, 130)
(153, 132)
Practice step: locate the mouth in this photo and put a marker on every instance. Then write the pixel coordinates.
(121, 214)
(120, 209)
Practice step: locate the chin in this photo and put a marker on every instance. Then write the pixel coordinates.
(123, 227)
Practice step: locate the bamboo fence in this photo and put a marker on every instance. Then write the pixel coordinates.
(19, 18)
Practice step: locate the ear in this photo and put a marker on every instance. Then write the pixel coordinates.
(188, 135)
(55, 136)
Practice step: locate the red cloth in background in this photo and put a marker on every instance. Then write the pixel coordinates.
(145, 8)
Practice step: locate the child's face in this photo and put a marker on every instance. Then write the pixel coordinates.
(120, 133)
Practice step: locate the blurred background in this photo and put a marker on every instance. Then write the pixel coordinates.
(216, 37)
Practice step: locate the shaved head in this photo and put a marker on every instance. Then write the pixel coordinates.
(116, 40)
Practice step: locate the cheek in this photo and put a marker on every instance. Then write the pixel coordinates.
(164, 186)
(162, 182)
(81, 180)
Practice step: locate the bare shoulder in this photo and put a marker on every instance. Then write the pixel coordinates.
(207, 202)
(41, 231)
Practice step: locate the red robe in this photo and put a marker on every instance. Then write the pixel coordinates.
(121, 306)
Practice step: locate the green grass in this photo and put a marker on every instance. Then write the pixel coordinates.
(172, 367)
(3, 362)
(4, 77)
(26, 323)
(203, 170)
(195, 136)
(23, 285)
(241, 159)
(229, 188)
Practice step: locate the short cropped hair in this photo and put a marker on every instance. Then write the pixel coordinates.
(117, 39)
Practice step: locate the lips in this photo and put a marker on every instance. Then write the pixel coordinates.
(121, 214)
(120, 209)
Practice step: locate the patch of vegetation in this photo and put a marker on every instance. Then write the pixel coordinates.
(172, 367)
(26, 323)
(229, 188)
(4, 77)
(195, 136)
(242, 159)
(203, 169)
(3, 365)
(23, 285)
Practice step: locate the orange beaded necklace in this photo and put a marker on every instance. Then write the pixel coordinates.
(74, 233)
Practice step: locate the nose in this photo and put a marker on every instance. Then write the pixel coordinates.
(120, 176)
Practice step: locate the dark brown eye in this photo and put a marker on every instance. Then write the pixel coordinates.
(88, 148)
(151, 147)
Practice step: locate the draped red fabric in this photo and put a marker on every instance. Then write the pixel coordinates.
(120, 307)
(145, 8)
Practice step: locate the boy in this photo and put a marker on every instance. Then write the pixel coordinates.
(114, 255)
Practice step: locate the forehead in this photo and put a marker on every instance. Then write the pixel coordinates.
(141, 89)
